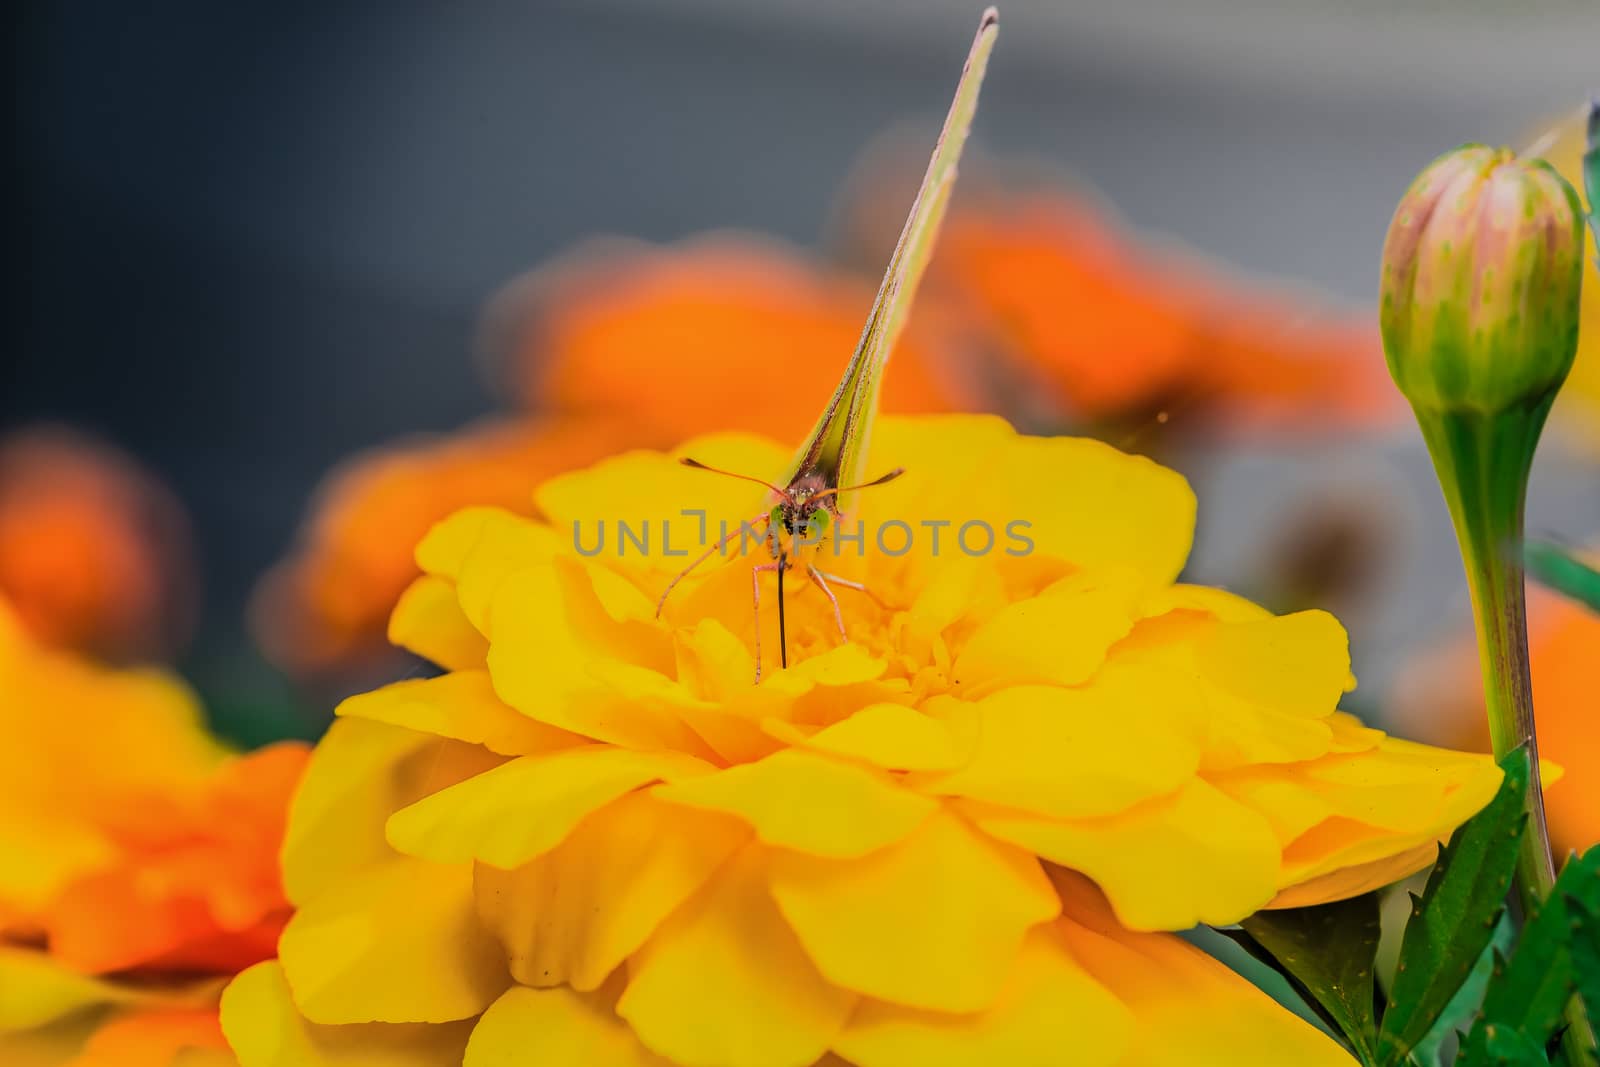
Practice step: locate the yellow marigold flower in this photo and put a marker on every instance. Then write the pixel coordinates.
(138, 863)
(955, 839)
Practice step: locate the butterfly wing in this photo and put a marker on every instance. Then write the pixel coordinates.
(837, 445)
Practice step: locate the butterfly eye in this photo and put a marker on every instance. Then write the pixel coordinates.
(775, 516)
(818, 526)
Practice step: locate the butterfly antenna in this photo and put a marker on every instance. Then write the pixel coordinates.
(697, 465)
(880, 480)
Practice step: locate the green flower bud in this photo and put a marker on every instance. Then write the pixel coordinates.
(1480, 283)
(1481, 276)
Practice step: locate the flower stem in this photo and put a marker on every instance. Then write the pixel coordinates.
(1483, 461)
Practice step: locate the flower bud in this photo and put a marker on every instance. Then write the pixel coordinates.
(1481, 271)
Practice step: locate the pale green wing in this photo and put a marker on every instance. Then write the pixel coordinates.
(837, 445)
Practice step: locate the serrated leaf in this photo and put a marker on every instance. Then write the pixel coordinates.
(1530, 992)
(1501, 1046)
(1327, 953)
(1586, 953)
(1443, 1041)
(1559, 569)
(1454, 919)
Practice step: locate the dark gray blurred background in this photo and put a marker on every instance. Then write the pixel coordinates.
(257, 237)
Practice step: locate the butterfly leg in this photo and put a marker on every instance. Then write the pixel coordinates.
(713, 550)
(834, 579)
(821, 583)
(755, 602)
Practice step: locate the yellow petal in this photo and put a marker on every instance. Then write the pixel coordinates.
(1350, 734)
(38, 990)
(1187, 1008)
(1389, 806)
(53, 1045)
(557, 656)
(398, 942)
(429, 622)
(1369, 787)
(934, 922)
(525, 808)
(265, 1029)
(893, 737)
(1228, 849)
(1086, 503)
(360, 774)
(1243, 735)
(1295, 664)
(808, 802)
(1049, 1011)
(1235, 728)
(461, 705)
(1218, 603)
(555, 1027)
(724, 983)
(713, 662)
(572, 915)
(1289, 807)
(1079, 752)
(1346, 882)
(478, 548)
(655, 490)
(1059, 637)
(964, 586)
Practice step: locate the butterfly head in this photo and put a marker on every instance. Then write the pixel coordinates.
(803, 514)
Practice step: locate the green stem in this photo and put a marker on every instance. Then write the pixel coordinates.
(1483, 461)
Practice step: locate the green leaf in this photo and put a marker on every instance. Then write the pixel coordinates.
(1327, 953)
(1586, 951)
(1443, 1041)
(1554, 566)
(1529, 993)
(1454, 919)
(1501, 1046)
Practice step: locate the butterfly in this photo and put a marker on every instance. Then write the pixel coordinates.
(807, 506)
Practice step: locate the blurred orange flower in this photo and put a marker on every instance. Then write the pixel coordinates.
(138, 860)
(1106, 327)
(1441, 701)
(93, 550)
(328, 604)
(1563, 662)
(722, 332)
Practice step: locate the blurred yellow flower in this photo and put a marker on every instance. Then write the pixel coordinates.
(953, 840)
(133, 846)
